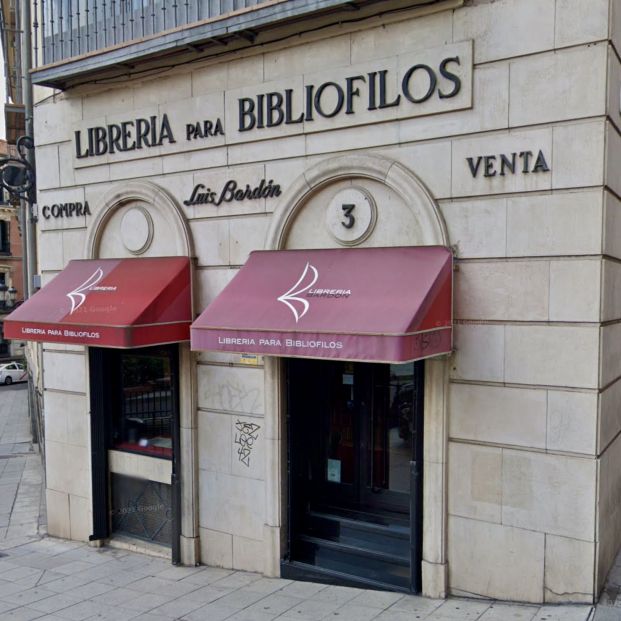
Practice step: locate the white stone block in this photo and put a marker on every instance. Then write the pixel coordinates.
(610, 368)
(475, 483)
(568, 223)
(552, 355)
(502, 290)
(613, 156)
(569, 570)
(67, 468)
(66, 169)
(214, 442)
(498, 415)
(48, 170)
(50, 251)
(99, 104)
(210, 282)
(550, 494)
(233, 505)
(579, 150)
(609, 510)
(300, 59)
(230, 389)
(469, 164)
(58, 521)
(73, 244)
(162, 90)
(480, 352)
(477, 228)
(572, 422)
(579, 22)
(47, 128)
(543, 87)
(193, 160)
(609, 415)
(248, 554)
(430, 162)
(350, 138)
(263, 151)
(216, 548)
(64, 371)
(575, 290)
(247, 234)
(228, 75)
(614, 87)
(612, 225)
(98, 173)
(212, 247)
(81, 518)
(66, 418)
(497, 561)
(509, 28)
(136, 169)
(405, 35)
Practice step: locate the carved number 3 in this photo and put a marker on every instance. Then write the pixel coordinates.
(347, 209)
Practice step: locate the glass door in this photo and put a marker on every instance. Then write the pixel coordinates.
(355, 451)
(135, 440)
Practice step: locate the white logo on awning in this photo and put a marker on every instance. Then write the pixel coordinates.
(291, 296)
(77, 296)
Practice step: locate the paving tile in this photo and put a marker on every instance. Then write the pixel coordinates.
(303, 590)
(238, 579)
(459, 610)
(147, 601)
(210, 612)
(176, 608)
(29, 596)
(376, 599)
(23, 613)
(311, 610)
(563, 613)
(275, 604)
(209, 575)
(417, 606)
(351, 612)
(512, 612)
(55, 603)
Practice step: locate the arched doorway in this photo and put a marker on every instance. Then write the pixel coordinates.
(392, 208)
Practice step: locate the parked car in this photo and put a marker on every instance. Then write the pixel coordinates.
(12, 372)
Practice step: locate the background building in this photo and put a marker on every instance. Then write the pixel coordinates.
(178, 142)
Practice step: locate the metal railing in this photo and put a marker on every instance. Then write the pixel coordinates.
(65, 29)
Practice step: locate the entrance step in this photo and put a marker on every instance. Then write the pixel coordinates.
(372, 551)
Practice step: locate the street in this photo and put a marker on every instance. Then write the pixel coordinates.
(56, 580)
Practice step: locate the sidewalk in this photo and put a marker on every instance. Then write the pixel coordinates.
(56, 580)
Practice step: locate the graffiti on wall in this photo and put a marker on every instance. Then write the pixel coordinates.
(245, 437)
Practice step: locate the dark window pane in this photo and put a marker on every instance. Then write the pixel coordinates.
(144, 417)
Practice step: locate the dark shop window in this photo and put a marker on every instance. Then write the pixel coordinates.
(144, 416)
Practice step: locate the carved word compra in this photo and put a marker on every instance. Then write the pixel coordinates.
(512, 163)
(246, 435)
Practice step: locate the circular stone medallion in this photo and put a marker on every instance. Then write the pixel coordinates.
(351, 216)
(137, 230)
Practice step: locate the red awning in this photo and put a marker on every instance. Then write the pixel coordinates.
(375, 304)
(109, 303)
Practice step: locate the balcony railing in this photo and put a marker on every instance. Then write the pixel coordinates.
(69, 28)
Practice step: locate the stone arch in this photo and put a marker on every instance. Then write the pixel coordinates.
(423, 208)
(171, 236)
(144, 194)
(373, 167)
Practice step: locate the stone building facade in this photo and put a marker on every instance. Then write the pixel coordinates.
(490, 128)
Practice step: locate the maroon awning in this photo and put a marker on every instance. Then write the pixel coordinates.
(109, 303)
(374, 304)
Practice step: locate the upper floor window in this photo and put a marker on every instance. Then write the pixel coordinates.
(5, 241)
